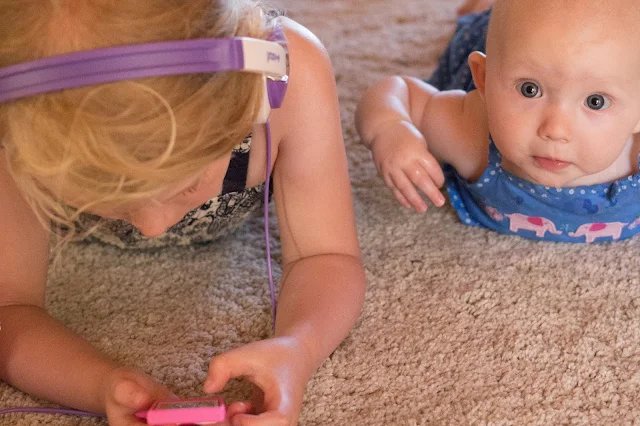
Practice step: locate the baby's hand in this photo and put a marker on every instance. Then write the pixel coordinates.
(278, 367)
(402, 159)
(129, 391)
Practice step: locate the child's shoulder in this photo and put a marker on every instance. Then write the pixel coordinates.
(303, 45)
(311, 79)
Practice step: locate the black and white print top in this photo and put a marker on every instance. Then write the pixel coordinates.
(213, 219)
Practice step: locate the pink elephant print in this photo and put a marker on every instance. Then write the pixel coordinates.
(494, 213)
(634, 223)
(539, 225)
(591, 231)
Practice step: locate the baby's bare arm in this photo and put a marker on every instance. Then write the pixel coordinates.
(387, 102)
(409, 125)
(454, 123)
(448, 120)
(38, 354)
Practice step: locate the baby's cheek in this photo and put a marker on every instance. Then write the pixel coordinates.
(597, 159)
(509, 145)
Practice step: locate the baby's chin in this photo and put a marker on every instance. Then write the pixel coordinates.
(537, 175)
(552, 180)
(544, 178)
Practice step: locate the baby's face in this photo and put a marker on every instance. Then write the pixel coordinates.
(563, 100)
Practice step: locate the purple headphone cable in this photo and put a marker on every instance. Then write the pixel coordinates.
(63, 411)
(267, 183)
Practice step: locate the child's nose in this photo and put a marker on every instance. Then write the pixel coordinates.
(557, 125)
(151, 222)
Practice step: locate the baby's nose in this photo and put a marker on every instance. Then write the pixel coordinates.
(556, 126)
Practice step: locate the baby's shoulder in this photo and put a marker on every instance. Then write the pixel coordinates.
(468, 135)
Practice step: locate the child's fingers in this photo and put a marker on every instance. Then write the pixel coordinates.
(239, 407)
(408, 190)
(132, 422)
(218, 376)
(270, 418)
(131, 395)
(226, 366)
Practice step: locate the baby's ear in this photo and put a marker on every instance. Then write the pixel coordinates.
(635, 130)
(478, 65)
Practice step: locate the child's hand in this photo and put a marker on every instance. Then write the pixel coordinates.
(278, 367)
(402, 159)
(129, 391)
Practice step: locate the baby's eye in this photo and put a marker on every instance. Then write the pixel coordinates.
(530, 89)
(597, 102)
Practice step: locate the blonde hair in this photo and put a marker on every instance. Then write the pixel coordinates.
(127, 140)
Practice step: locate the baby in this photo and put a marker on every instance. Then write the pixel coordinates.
(543, 140)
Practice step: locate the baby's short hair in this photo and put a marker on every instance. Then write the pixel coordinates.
(621, 17)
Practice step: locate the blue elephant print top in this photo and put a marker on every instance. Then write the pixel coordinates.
(505, 203)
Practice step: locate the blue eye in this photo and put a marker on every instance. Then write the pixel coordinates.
(530, 89)
(597, 102)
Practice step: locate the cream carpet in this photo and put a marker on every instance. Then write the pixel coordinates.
(460, 326)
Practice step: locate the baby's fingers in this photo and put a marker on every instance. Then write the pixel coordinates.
(433, 169)
(420, 178)
(406, 189)
(396, 192)
(401, 198)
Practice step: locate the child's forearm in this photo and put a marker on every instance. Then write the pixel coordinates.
(319, 303)
(41, 357)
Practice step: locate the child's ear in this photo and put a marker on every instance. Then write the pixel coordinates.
(478, 65)
(637, 128)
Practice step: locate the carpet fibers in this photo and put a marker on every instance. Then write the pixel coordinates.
(460, 325)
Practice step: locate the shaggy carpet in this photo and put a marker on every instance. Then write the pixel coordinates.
(460, 325)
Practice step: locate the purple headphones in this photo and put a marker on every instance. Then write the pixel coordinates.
(107, 65)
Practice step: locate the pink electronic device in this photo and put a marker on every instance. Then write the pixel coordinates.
(201, 411)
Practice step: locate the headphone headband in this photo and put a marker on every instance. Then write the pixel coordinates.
(107, 65)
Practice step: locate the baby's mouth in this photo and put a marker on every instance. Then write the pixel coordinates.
(551, 164)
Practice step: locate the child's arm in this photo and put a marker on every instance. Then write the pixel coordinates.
(38, 354)
(322, 286)
(409, 125)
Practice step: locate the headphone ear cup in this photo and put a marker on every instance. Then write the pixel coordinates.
(265, 107)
